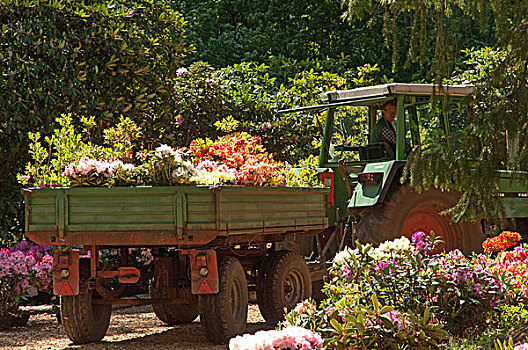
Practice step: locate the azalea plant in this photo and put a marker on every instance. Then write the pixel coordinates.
(405, 294)
(24, 270)
(241, 152)
(67, 159)
(288, 338)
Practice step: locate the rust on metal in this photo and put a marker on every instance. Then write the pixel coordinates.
(66, 273)
(204, 272)
(119, 301)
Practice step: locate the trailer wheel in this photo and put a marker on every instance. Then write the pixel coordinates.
(406, 211)
(174, 314)
(224, 315)
(82, 319)
(284, 281)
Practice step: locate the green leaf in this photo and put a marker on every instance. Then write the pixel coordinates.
(337, 326)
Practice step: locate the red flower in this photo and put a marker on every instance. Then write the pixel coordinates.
(503, 241)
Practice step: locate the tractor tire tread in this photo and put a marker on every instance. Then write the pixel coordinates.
(270, 282)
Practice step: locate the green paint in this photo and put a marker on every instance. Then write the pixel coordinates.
(175, 210)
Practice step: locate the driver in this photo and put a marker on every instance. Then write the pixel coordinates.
(383, 130)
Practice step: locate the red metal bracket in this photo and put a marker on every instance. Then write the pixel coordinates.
(66, 273)
(125, 274)
(204, 272)
(327, 179)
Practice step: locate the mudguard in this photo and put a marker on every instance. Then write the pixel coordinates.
(366, 195)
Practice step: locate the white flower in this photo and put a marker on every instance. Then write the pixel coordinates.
(128, 167)
(392, 249)
(179, 172)
(181, 71)
(164, 151)
(344, 255)
(101, 166)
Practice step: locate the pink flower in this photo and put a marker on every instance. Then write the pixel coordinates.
(182, 71)
(179, 119)
(395, 318)
(266, 126)
(523, 346)
(291, 337)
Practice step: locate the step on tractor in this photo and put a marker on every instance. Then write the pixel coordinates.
(215, 249)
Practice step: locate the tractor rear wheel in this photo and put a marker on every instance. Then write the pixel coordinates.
(84, 320)
(406, 211)
(283, 282)
(224, 315)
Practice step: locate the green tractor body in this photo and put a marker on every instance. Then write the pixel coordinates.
(365, 177)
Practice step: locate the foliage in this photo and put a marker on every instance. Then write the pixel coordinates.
(24, 270)
(304, 174)
(511, 317)
(96, 58)
(299, 35)
(403, 294)
(492, 138)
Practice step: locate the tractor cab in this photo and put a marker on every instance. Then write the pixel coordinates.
(424, 113)
(364, 176)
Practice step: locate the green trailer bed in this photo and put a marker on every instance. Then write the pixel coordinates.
(179, 215)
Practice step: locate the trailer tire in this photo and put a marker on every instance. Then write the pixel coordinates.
(224, 315)
(406, 211)
(83, 320)
(174, 314)
(283, 282)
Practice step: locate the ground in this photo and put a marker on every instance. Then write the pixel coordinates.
(130, 328)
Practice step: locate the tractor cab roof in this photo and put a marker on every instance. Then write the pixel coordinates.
(373, 95)
(391, 90)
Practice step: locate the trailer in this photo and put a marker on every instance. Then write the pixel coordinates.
(211, 247)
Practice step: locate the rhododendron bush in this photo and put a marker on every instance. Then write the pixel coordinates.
(241, 154)
(67, 159)
(24, 270)
(402, 294)
(289, 338)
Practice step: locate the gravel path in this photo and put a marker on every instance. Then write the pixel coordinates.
(130, 328)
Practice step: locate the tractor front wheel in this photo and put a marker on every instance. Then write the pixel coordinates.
(406, 211)
(283, 282)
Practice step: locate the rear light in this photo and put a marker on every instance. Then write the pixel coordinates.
(370, 179)
(201, 260)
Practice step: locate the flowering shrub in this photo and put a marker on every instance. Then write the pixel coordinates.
(237, 158)
(503, 241)
(289, 338)
(242, 153)
(402, 294)
(166, 166)
(392, 250)
(466, 293)
(91, 172)
(24, 269)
